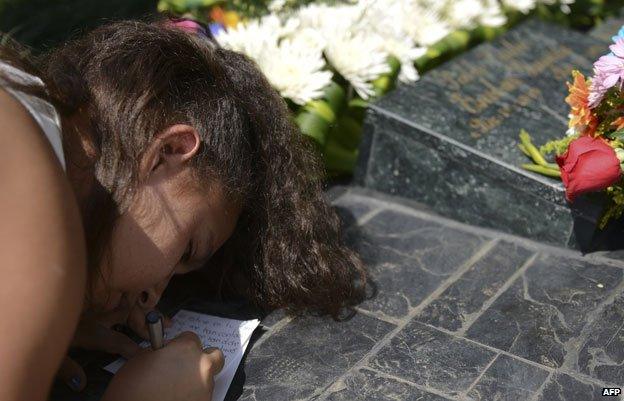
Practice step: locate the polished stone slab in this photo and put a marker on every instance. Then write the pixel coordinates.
(602, 353)
(508, 379)
(368, 385)
(450, 139)
(465, 186)
(562, 387)
(607, 29)
(350, 210)
(273, 318)
(308, 354)
(428, 357)
(462, 301)
(546, 309)
(408, 258)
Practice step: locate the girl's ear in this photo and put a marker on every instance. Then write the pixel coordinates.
(170, 149)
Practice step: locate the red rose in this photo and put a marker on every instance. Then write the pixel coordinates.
(590, 164)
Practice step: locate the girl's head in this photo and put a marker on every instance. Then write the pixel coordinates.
(195, 157)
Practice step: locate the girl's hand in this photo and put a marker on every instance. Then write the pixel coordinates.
(179, 371)
(96, 335)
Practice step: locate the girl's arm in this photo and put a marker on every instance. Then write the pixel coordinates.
(42, 258)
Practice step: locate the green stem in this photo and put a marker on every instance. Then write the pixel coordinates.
(533, 151)
(542, 170)
(554, 166)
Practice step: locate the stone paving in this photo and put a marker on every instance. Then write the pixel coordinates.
(461, 313)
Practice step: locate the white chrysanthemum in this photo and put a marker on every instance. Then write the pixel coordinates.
(295, 71)
(292, 67)
(324, 17)
(428, 27)
(351, 44)
(250, 38)
(313, 15)
(462, 14)
(437, 6)
(524, 6)
(564, 5)
(493, 14)
(359, 58)
(276, 5)
(309, 38)
(388, 20)
(572, 131)
(407, 53)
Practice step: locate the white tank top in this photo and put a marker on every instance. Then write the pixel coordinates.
(43, 112)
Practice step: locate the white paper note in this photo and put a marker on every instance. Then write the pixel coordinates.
(229, 335)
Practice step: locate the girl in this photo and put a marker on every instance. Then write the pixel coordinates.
(175, 154)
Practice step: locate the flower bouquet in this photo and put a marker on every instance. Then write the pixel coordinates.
(329, 58)
(590, 158)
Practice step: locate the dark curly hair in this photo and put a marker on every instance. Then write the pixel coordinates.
(133, 79)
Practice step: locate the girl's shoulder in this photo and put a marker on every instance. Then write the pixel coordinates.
(44, 114)
(36, 197)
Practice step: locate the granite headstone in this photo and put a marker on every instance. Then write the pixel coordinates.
(609, 28)
(450, 139)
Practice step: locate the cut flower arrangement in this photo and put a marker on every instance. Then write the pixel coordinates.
(329, 58)
(590, 158)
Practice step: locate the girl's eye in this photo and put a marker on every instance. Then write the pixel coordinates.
(187, 254)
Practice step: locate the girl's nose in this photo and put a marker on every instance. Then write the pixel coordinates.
(149, 298)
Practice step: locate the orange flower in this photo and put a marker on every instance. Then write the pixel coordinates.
(581, 114)
(217, 14)
(230, 19)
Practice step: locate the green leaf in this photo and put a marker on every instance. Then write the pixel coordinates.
(382, 85)
(338, 158)
(422, 62)
(322, 109)
(313, 125)
(488, 32)
(458, 40)
(386, 82)
(619, 135)
(347, 132)
(435, 51)
(335, 95)
(395, 66)
(182, 6)
(358, 102)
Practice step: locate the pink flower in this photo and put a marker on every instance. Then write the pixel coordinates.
(608, 71)
(186, 25)
(189, 25)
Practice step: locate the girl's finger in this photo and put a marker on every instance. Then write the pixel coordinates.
(118, 343)
(100, 338)
(72, 374)
(212, 361)
(188, 336)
